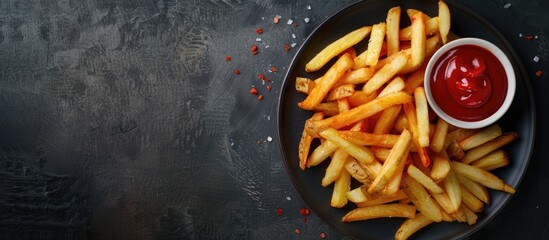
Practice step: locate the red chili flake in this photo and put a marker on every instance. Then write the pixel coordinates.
(539, 73)
(275, 20)
(237, 71)
(227, 58)
(273, 69)
(297, 231)
(322, 235)
(304, 219)
(260, 97)
(269, 87)
(279, 211)
(304, 212)
(529, 37)
(287, 47)
(295, 24)
(259, 30)
(258, 141)
(254, 49)
(261, 76)
(253, 91)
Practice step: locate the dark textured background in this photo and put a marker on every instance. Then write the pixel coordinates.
(122, 120)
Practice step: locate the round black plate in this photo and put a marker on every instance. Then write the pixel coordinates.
(465, 23)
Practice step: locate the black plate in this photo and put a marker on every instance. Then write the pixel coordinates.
(466, 23)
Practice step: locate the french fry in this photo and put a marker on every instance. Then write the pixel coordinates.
(423, 179)
(341, 91)
(483, 177)
(458, 135)
(421, 199)
(418, 40)
(411, 226)
(305, 143)
(492, 161)
(370, 139)
(443, 21)
(328, 109)
(411, 12)
(470, 215)
(444, 202)
(371, 55)
(321, 153)
(400, 123)
(481, 137)
(437, 142)
(304, 85)
(410, 113)
(386, 120)
(451, 186)
(358, 113)
(356, 195)
(397, 84)
(390, 166)
(364, 176)
(372, 199)
(380, 211)
(341, 187)
(431, 27)
(381, 153)
(336, 48)
(422, 114)
(440, 169)
(459, 215)
(486, 148)
(358, 76)
(415, 80)
(339, 157)
(385, 73)
(360, 153)
(474, 188)
(360, 97)
(393, 26)
(395, 181)
(343, 105)
(470, 200)
(344, 63)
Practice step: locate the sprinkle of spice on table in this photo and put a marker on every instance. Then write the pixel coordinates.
(237, 71)
(279, 211)
(259, 31)
(262, 76)
(254, 49)
(304, 212)
(295, 24)
(297, 231)
(322, 235)
(253, 91)
(287, 47)
(260, 97)
(539, 73)
(269, 87)
(528, 37)
(273, 69)
(227, 58)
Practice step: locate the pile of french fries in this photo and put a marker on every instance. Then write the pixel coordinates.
(374, 123)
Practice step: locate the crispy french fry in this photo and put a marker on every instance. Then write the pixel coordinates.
(486, 148)
(341, 187)
(328, 108)
(444, 202)
(344, 63)
(423, 179)
(400, 123)
(305, 143)
(474, 188)
(440, 169)
(395, 181)
(380, 211)
(471, 216)
(386, 120)
(341, 91)
(481, 137)
(381, 153)
(411, 12)
(361, 153)
(418, 40)
(358, 76)
(339, 157)
(422, 114)
(432, 44)
(364, 176)
(372, 199)
(304, 85)
(410, 113)
(385, 73)
(431, 27)
(437, 142)
(492, 161)
(336, 48)
(421, 199)
(390, 166)
(451, 186)
(371, 55)
(356, 195)
(483, 177)
(443, 21)
(360, 97)
(358, 113)
(397, 84)
(459, 215)
(411, 226)
(370, 139)
(415, 80)
(343, 105)
(458, 135)
(470, 200)
(321, 153)
(393, 26)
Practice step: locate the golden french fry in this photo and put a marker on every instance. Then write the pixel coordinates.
(452, 188)
(344, 63)
(358, 113)
(397, 84)
(393, 26)
(437, 142)
(339, 157)
(360, 97)
(395, 181)
(492, 161)
(336, 48)
(440, 169)
(486, 148)
(385, 73)
(370, 139)
(305, 143)
(327, 108)
(421, 199)
(410, 113)
(411, 12)
(455, 151)
(381, 153)
(483, 177)
(443, 21)
(358, 76)
(386, 120)
(321, 153)
(459, 215)
(432, 44)
(400, 123)
(341, 187)
(304, 85)
(424, 180)
(415, 80)
(372, 199)
(444, 202)
(422, 114)
(356, 195)
(380, 211)
(390, 166)
(471, 216)
(343, 105)
(371, 55)
(411, 226)
(481, 137)
(458, 135)
(418, 40)
(431, 27)
(360, 153)
(472, 202)
(341, 91)
(364, 176)
(474, 188)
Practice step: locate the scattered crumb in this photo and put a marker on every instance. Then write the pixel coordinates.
(289, 22)
(536, 59)
(507, 5)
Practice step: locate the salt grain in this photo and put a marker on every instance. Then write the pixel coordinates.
(293, 35)
(293, 44)
(520, 35)
(289, 198)
(258, 39)
(269, 139)
(290, 21)
(307, 20)
(536, 59)
(507, 5)
(309, 7)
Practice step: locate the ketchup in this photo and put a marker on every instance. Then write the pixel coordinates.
(469, 83)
